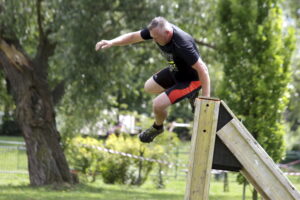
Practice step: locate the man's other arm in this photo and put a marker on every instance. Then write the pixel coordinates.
(203, 74)
(126, 39)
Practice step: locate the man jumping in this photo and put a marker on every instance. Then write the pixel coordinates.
(185, 75)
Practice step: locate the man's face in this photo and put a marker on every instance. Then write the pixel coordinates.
(160, 36)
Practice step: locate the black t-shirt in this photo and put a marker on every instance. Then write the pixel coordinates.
(181, 53)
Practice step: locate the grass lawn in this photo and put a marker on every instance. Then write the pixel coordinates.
(174, 191)
(14, 189)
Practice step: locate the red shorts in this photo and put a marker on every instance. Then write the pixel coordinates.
(176, 90)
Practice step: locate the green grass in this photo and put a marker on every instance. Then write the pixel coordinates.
(295, 180)
(174, 191)
(14, 189)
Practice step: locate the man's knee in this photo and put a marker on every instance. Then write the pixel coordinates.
(156, 106)
(147, 87)
(160, 104)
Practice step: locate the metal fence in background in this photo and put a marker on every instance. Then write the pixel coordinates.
(13, 161)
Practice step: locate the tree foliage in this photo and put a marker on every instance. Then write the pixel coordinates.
(108, 79)
(292, 12)
(114, 78)
(256, 52)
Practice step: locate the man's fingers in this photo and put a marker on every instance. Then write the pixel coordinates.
(97, 46)
(101, 45)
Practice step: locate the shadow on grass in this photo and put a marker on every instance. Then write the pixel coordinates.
(83, 192)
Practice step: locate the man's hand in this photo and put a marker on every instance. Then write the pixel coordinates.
(103, 44)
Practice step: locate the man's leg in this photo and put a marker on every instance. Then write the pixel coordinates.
(157, 84)
(152, 87)
(160, 104)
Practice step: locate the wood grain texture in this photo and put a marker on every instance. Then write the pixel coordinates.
(203, 140)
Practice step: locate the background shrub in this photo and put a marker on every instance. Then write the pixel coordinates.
(116, 168)
(82, 158)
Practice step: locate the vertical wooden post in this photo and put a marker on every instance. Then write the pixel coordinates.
(201, 155)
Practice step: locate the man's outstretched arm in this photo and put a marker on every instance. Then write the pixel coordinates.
(203, 74)
(128, 38)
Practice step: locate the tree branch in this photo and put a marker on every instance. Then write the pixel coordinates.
(45, 47)
(202, 43)
(39, 19)
(15, 54)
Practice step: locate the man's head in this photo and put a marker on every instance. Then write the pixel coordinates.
(160, 30)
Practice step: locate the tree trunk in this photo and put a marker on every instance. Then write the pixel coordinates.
(254, 194)
(35, 114)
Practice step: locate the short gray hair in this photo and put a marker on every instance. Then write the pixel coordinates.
(159, 22)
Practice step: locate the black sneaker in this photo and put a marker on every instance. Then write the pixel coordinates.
(192, 100)
(148, 135)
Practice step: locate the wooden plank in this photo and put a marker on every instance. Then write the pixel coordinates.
(255, 185)
(203, 140)
(263, 155)
(258, 167)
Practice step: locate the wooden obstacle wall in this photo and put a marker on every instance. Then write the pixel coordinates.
(235, 150)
